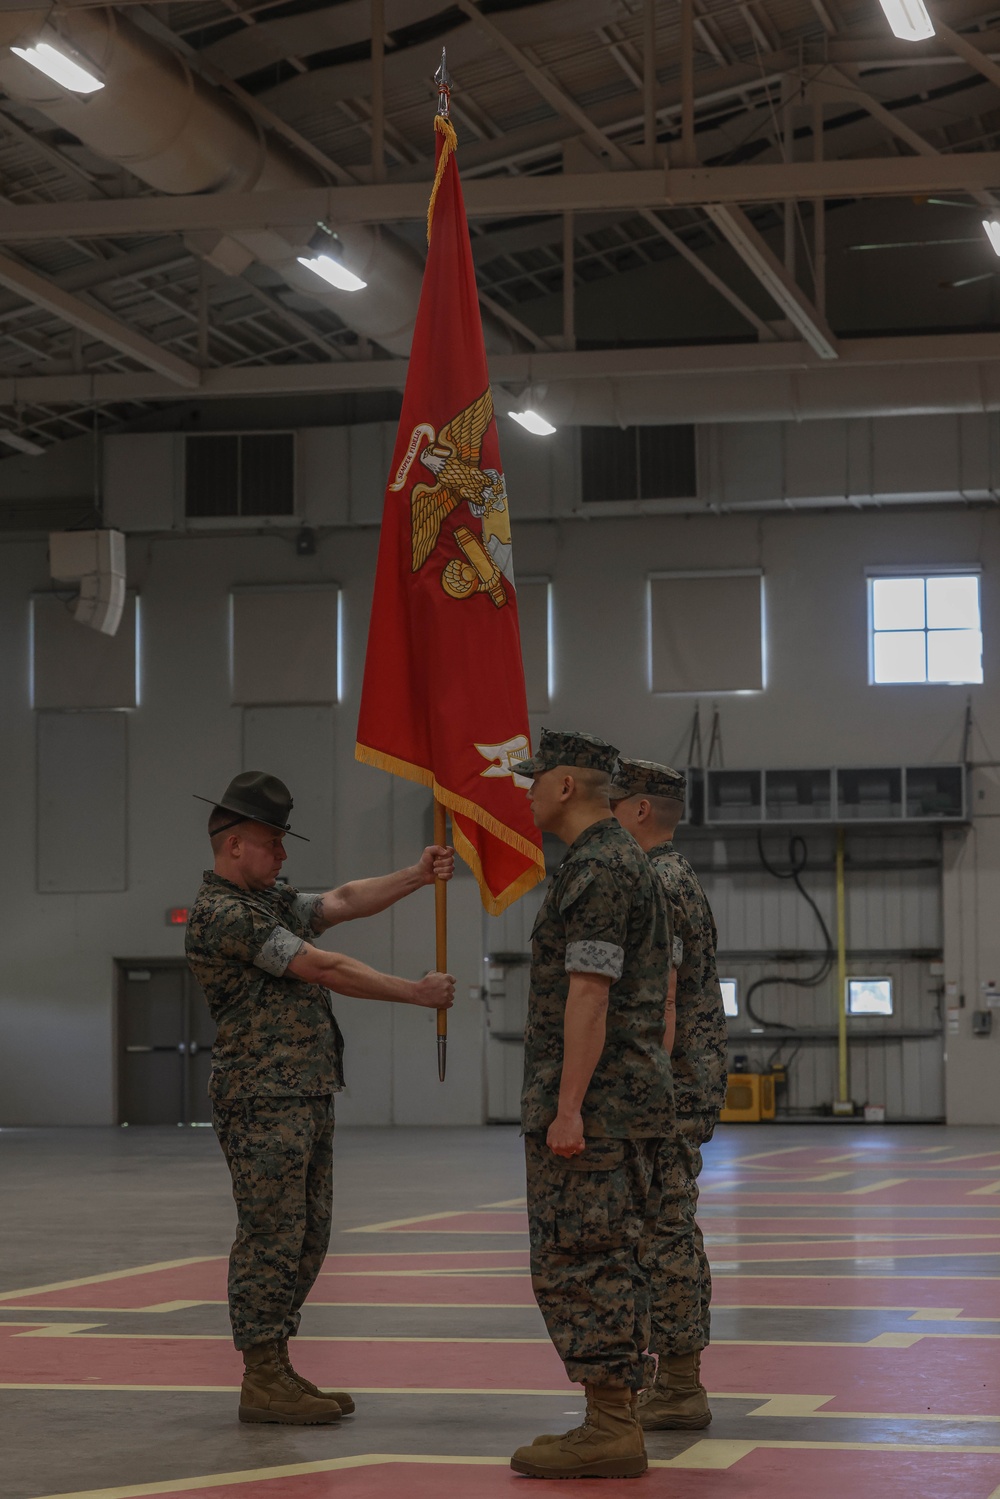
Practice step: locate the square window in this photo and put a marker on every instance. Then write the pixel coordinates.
(869, 996)
(954, 656)
(900, 656)
(925, 629)
(898, 604)
(730, 1003)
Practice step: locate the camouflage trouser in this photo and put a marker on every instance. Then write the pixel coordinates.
(585, 1219)
(280, 1155)
(676, 1289)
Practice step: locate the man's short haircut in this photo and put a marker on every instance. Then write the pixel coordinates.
(667, 810)
(593, 783)
(221, 820)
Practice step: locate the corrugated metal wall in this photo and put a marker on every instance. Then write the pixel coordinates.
(894, 929)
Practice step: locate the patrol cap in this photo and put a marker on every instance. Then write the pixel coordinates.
(583, 751)
(646, 778)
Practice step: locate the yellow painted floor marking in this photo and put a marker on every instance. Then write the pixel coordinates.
(791, 1405)
(374, 1228)
(896, 1339)
(709, 1453)
(880, 1186)
(941, 1314)
(94, 1280)
(801, 1259)
(512, 1202)
(763, 1155)
(174, 1306)
(54, 1329)
(988, 1191)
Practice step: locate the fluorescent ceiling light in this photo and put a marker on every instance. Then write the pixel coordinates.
(992, 227)
(331, 270)
(908, 19)
(55, 64)
(532, 422)
(22, 444)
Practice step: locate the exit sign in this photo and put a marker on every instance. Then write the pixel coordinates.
(177, 916)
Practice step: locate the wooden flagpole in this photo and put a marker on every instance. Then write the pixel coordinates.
(441, 937)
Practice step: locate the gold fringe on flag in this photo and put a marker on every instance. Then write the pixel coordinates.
(444, 127)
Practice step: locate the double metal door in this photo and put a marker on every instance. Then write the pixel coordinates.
(165, 1036)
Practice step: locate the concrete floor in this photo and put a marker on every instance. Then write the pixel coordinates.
(856, 1326)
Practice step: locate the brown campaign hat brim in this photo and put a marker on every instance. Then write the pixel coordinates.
(247, 815)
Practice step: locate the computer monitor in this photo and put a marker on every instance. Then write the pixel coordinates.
(869, 996)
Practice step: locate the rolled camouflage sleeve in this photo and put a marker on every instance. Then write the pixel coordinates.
(595, 913)
(278, 951)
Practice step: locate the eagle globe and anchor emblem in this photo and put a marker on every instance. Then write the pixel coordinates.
(452, 456)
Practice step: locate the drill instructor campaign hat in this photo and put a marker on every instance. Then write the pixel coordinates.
(256, 797)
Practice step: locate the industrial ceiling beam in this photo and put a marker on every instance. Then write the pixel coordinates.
(43, 293)
(975, 352)
(848, 85)
(505, 197)
(565, 105)
(758, 256)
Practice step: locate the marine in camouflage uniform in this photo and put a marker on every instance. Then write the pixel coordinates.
(676, 1273)
(277, 1063)
(604, 915)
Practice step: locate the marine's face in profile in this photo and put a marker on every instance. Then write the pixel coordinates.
(546, 796)
(261, 854)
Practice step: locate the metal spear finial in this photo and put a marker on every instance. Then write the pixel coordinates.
(443, 80)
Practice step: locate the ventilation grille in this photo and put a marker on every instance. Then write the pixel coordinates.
(239, 474)
(638, 463)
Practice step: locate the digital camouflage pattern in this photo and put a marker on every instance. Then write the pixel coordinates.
(582, 751)
(701, 1045)
(676, 1276)
(674, 1292)
(277, 1036)
(646, 778)
(280, 1156)
(585, 1219)
(604, 913)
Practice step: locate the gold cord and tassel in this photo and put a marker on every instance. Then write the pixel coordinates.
(444, 127)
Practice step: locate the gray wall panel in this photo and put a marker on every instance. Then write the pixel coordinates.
(82, 802)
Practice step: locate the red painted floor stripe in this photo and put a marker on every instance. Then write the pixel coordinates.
(760, 1224)
(977, 1298)
(851, 1249)
(424, 1290)
(959, 1379)
(921, 1194)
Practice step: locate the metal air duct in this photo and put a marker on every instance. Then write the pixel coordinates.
(169, 128)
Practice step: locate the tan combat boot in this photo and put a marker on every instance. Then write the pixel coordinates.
(557, 1436)
(341, 1396)
(609, 1444)
(678, 1401)
(269, 1393)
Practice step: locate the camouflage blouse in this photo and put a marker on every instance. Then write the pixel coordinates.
(604, 913)
(277, 1036)
(700, 1054)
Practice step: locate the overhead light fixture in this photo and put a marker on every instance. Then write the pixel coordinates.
(56, 65)
(908, 19)
(333, 271)
(532, 422)
(992, 227)
(19, 443)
